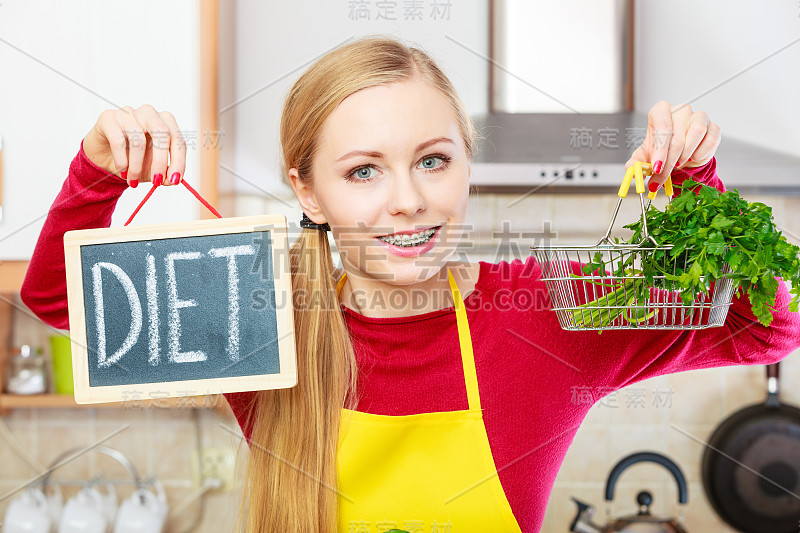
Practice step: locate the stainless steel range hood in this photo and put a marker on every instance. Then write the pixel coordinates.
(526, 150)
(551, 128)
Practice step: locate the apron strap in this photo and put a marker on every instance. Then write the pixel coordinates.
(467, 355)
(464, 340)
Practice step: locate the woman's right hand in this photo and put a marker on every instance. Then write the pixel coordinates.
(138, 145)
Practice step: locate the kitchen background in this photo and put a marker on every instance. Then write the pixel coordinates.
(736, 61)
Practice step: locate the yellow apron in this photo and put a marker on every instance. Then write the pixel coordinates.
(426, 472)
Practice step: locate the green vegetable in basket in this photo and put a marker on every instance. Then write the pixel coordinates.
(707, 231)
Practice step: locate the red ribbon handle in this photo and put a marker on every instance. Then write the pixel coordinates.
(185, 184)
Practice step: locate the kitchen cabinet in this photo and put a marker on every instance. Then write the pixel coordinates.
(64, 63)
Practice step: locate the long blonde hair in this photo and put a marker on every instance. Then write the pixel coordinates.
(291, 476)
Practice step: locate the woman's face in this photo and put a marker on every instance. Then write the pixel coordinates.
(391, 160)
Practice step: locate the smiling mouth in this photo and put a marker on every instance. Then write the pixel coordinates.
(412, 239)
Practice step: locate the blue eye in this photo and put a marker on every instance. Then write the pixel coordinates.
(362, 173)
(431, 158)
(359, 173)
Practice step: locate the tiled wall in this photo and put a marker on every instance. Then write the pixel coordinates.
(679, 412)
(157, 441)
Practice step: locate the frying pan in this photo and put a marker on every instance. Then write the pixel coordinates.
(751, 466)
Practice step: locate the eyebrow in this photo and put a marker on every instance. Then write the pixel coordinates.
(379, 155)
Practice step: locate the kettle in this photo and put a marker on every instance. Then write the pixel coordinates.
(33, 511)
(643, 521)
(144, 512)
(90, 511)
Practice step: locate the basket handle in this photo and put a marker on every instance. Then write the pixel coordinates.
(639, 170)
(667, 188)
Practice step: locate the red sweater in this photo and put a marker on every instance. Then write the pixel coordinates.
(532, 374)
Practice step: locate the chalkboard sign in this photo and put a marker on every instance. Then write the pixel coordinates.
(184, 309)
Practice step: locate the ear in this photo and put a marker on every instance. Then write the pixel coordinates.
(306, 197)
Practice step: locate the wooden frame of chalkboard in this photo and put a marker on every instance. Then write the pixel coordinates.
(185, 315)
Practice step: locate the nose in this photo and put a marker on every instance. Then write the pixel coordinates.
(406, 195)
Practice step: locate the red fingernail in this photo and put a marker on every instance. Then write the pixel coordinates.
(657, 166)
(157, 179)
(176, 177)
(124, 174)
(135, 183)
(653, 186)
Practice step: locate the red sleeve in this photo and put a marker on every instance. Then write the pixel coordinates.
(86, 200)
(707, 175)
(242, 403)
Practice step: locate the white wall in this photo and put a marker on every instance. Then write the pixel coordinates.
(685, 48)
(272, 43)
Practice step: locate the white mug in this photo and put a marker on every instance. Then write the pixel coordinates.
(30, 512)
(84, 513)
(142, 512)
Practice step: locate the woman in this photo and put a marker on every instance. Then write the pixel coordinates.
(464, 406)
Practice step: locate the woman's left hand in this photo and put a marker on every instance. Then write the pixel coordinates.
(676, 138)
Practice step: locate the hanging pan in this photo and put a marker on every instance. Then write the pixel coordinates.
(751, 466)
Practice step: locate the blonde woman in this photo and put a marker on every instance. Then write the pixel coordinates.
(433, 394)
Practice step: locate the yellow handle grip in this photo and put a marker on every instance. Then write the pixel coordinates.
(626, 183)
(668, 185)
(667, 188)
(638, 170)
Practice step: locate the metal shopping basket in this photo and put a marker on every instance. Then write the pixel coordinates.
(587, 296)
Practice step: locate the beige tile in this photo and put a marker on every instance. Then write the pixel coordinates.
(744, 385)
(65, 417)
(657, 399)
(135, 443)
(586, 457)
(213, 434)
(523, 213)
(791, 223)
(789, 376)
(176, 496)
(131, 413)
(12, 465)
(598, 416)
(581, 215)
(685, 446)
(481, 214)
(172, 445)
(214, 512)
(18, 415)
(178, 415)
(698, 396)
(221, 512)
(55, 440)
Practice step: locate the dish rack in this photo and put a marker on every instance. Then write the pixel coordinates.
(586, 296)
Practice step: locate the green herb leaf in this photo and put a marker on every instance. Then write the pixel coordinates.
(706, 231)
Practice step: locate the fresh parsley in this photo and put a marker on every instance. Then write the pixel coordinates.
(707, 231)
